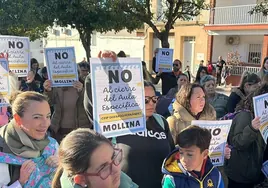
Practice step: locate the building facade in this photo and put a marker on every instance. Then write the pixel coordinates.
(232, 29)
(131, 43)
(188, 38)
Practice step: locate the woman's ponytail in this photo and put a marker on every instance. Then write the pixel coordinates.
(57, 176)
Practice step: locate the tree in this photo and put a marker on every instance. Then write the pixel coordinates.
(88, 16)
(175, 9)
(260, 8)
(21, 18)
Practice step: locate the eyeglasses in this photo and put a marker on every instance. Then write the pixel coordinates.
(106, 171)
(153, 98)
(176, 65)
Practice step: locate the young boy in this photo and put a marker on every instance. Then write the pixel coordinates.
(189, 166)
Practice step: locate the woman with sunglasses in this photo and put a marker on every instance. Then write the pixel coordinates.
(190, 104)
(144, 152)
(88, 159)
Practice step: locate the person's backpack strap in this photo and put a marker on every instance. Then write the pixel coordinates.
(159, 120)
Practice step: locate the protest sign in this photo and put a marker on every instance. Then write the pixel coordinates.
(219, 131)
(4, 82)
(118, 96)
(164, 60)
(260, 104)
(61, 66)
(17, 51)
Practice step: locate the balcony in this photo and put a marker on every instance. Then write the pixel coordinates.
(236, 15)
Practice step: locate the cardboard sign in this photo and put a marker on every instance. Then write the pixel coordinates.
(219, 131)
(17, 51)
(164, 60)
(4, 82)
(118, 96)
(260, 104)
(61, 66)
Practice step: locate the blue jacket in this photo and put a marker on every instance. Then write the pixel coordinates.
(175, 176)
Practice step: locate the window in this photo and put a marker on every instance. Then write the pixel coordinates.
(189, 39)
(254, 54)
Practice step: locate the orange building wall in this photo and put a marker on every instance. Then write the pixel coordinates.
(201, 41)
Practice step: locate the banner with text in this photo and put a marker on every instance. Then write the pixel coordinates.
(61, 66)
(17, 51)
(164, 60)
(260, 104)
(118, 96)
(219, 131)
(4, 82)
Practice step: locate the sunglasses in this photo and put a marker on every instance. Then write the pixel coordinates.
(106, 171)
(153, 98)
(176, 65)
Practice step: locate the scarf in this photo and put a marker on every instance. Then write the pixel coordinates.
(20, 143)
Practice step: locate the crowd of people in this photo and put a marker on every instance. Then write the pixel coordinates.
(48, 141)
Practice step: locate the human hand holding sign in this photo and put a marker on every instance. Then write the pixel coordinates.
(227, 152)
(256, 123)
(47, 85)
(78, 85)
(107, 54)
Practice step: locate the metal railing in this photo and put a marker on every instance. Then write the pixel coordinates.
(236, 15)
(238, 70)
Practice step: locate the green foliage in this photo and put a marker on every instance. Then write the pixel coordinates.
(170, 11)
(88, 16)
(260, 8)
(21, 18)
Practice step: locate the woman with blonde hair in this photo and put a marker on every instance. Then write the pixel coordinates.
(190, 104)
(29, 156)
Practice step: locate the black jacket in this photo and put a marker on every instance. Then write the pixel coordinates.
(247, 144)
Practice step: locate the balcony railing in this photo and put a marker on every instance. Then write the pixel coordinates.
(236, 15)
(238, 70)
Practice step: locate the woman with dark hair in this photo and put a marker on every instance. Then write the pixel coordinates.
(88, 159)
(202, 71)
(244, 167)
(182, 79)
(264, 69)
(249, 82)
(35, 68)
(190, 104)
(144, 152)
(30, 84)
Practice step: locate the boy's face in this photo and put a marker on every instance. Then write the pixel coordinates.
(192, 158)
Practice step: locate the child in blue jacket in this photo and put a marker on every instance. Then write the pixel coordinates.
(189, 165)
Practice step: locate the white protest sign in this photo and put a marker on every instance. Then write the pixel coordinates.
(164, 60)
(260, 104)
(17, 50)
(4, 82)
(118, 96)
(219, 131)
(61, 66)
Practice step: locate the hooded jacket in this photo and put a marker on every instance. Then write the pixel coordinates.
(182, 118)
(176, 176)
